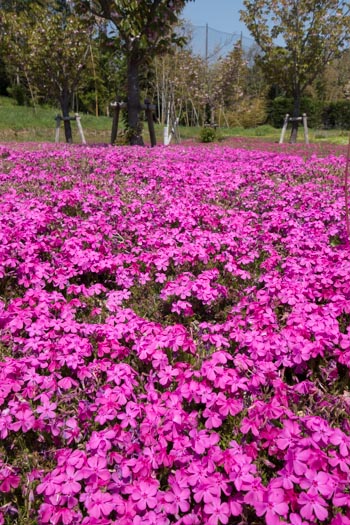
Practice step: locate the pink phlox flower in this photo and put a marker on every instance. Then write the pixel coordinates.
(8, 479)
(288, 435)
(298, 460)
(212, 371)
(5, 423)
(321, 431)
(228, 406)
(115, 299)
(213, 419)
(144, 493)
(207, 490)
(167, 375)
(312, 505)
(25, 419)
(96, 470)
(341, 498)
(68, 480)
(272, 504)
(129, 417)
(182, 308)
(46, 409)
(202, 440)
(340, 519)
(295, 519)
(177, 499)
(76, 458)
(218, 512)
(98, 504)
(189, 519)
(64, 516)
(151, 518)
(336, 460)
(141, 466)
(340, 439)
(66, 383)
(71, 431)
(318, 482)
(286, 479)
(125, 508)
(236, 508)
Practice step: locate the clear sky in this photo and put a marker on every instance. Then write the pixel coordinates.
(218, 14)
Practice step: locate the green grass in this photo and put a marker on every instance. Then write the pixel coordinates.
(22, 123)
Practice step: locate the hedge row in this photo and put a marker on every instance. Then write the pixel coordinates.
(320, 114)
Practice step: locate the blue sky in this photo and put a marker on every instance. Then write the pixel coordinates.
(219, 14)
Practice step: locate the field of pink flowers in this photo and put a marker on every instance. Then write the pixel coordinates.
(174, 337)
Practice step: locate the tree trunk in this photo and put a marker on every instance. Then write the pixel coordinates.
(64, 101)
(296, 114)
(134, 123)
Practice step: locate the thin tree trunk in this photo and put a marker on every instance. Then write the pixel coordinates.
(296, 114)
(134, 123)
(64, 101)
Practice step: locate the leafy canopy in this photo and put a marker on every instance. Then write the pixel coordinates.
(297, 38)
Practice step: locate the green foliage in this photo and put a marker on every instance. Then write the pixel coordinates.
(207, 134)
(313, 33)
(248, 113)
(337, 115)
(47, 49)
(142, 31)
(280, 106)
(19, 94)
(230, 78)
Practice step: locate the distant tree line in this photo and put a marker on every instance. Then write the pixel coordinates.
(82, 54)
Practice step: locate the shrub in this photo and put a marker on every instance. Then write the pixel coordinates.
(207, 134)
(337, 115)
(249, 113)
(280, 106)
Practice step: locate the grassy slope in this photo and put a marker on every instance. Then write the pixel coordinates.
(20, 123)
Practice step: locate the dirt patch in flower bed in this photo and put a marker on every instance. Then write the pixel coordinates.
(174, 336)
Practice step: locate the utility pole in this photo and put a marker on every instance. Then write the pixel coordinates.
(206, 44)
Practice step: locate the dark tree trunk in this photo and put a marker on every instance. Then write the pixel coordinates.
(64, 101)
(134, 123)
(296, 114)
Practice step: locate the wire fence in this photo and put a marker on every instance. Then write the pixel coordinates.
(212, 44)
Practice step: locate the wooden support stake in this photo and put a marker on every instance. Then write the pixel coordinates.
(76, 117)
(57, 130)
(116, 111)
(306, 132)
(80, 128)
(284, 129)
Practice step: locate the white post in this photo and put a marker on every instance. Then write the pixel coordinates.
(284, 129)
(80, 128)
(166, 139)
(306, 132)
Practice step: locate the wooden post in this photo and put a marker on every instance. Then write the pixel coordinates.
(80, 128)
(149, 114)
(76, 117)
(116, 111)
(284, 128)
(306, 132)
(57, 130)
